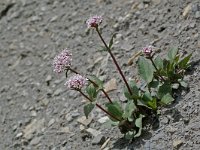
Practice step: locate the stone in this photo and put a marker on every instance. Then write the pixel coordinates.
(197, 15)
(187, 10)
(103, 119)
(105, 143)
(58, 92)
(85, 121)
(177, 143)
(35, 141)
(64, 130)
(93, 132)
(111, 85)
(19, 135)
(98, 140)
(51, 122)
(34, 126)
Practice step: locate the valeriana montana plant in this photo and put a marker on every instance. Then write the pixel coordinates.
(162, 78)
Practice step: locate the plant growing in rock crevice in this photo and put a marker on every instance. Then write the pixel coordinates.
(161, 76)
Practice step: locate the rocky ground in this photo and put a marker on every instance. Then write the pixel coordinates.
(38, 112)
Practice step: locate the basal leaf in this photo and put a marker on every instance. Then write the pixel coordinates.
(153, 103)
(130, 135)
(183, 64)
(134, 90)
(88, 108)
(115, 109)
(145, 69)
(158, 62)
(164, 89)
(138, 123)
(129, 109)
(172, 54)
(167, 99)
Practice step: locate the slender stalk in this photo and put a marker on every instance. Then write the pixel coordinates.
(115, 61)
(99, 106)
(109, 99)
(156, 69)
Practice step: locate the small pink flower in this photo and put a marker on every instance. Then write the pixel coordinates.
(148, 50)
(62, 61)
(76, 82)
(94, 21)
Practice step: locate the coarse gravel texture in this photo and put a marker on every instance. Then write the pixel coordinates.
(38, 112)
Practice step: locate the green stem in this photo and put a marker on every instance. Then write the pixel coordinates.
(99, 106)
(115, 61)
(156, 69)
(109, 99)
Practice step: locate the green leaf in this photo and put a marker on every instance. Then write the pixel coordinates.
(147, 97)
(88, 108)
(153, 104)
(158, 62)
(129, 109)
(167, 99)
(164, 89)
(115, 109)
(130, 135)
(183, 64)
(154, 84)
(109, 123)
(149, 100)
(111, 40)
(172, 54)
(97, 81)
(138, 123)
(145, 69)
(134, 90)
(91, 91)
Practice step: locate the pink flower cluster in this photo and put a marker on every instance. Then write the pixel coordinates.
(76, 82)
(62, 61)
(148, 50)
(94, 21)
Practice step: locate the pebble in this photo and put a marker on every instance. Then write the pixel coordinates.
(85, 121)
(103, 119)
(197, 15)
(58, 92)
(51, 122)
(177, 143)
(64, 130)
(19, 135)
(35, 141)
(93, 132)
(98, 140)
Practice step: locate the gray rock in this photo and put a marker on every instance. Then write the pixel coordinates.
(93, 132)
(98, 140)
(197, 15)
(35, 141)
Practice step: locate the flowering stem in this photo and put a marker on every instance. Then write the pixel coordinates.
(99, 106)
(156, 69)
(74, 71)
(115, 61)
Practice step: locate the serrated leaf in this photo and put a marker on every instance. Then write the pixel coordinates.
(91, 91)
(134, 90)
(164, 89)
(97, 82)
(115, 109)
(111, 41)
(183, 64)
(172, 54)
(158, 62)
(138, 123)
(167, 99)
(88, 108)
(145, 69)
(129, 109)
